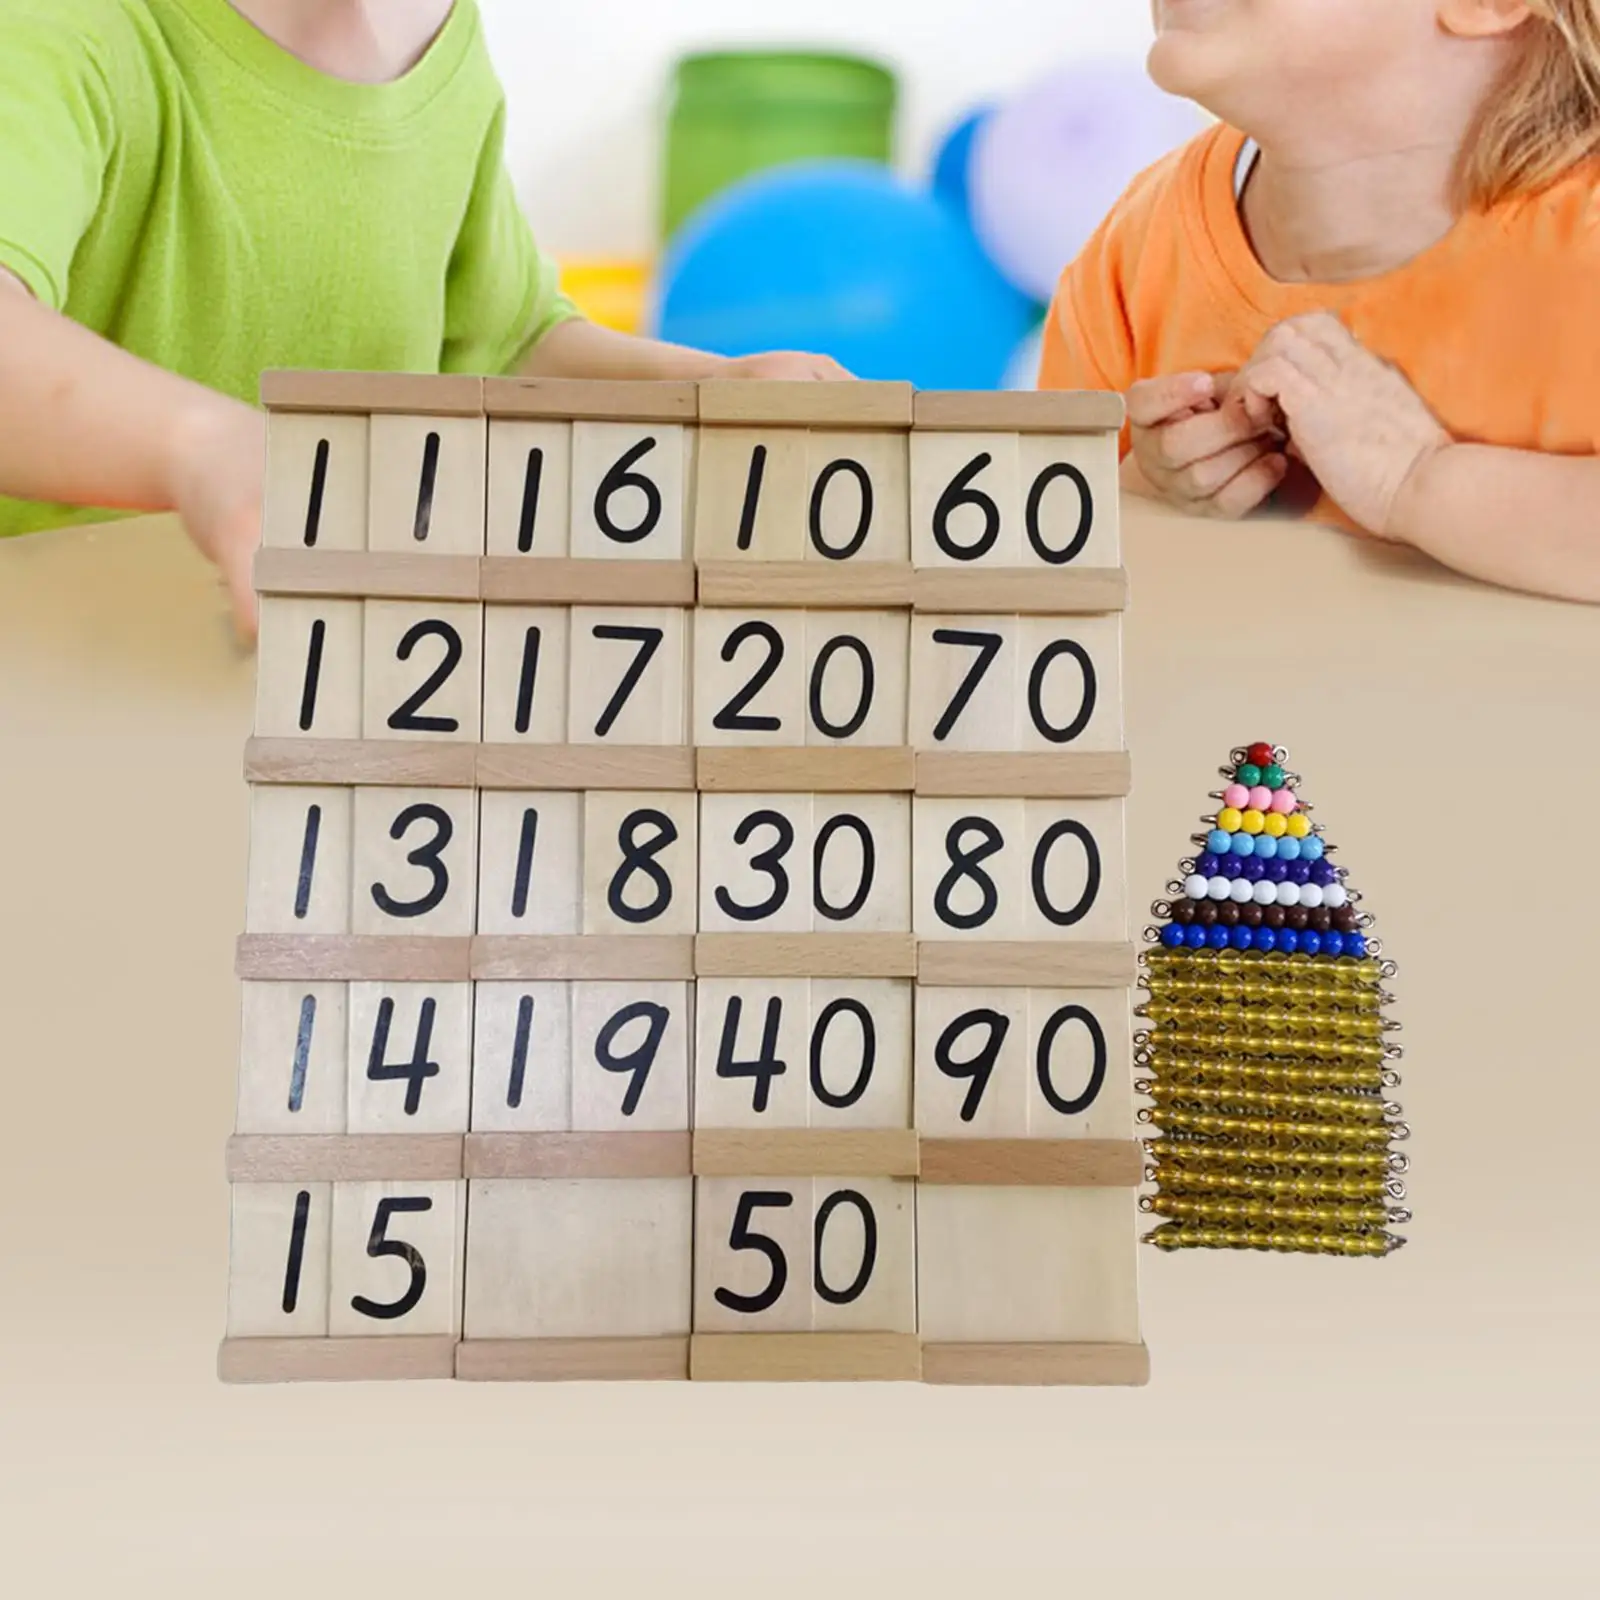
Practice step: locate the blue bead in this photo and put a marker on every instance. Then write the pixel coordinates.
(1333, 944)
(1172, 936)
(1311, 943)
(1241, 937)
(1311, 848)
(1277, 872)
(1219, 842)
(1217, 938)
(1355, 946)
(1266, 847)
(1289, 849)
(1288, 941)
(1300, 872)
(1324, 872)
(1194, 937)
(1244, 844)
(1266, 939)
(1209, 865)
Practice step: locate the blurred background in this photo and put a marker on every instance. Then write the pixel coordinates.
(895, 184)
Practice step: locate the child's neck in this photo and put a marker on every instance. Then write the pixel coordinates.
(351, 39)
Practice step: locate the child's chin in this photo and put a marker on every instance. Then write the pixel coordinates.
(1184, 64)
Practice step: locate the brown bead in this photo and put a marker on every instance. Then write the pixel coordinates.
(1251, 915)
(1297, 917)
(1275, 917)
(1228, 914)
(1183, 911)
(1205, 913)
(1321, 919)
(1345, 919)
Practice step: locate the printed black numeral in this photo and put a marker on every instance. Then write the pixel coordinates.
(1052, 836)
(852, 724)
(959, 494)
(635, 1063)
(380, 1246)
(819, 1043)
(769, 862)
(648, 641)
(857, 1286)
(988, 647)
(1074, 546)
(413, 1073)
(766, 1065)
(429, 856)
(819, 500)
(978, 1069)
(637, 858)
(966, 865)
(407, 718)
(621, 477)
(1097, 1071)
(1086, 705)
(733, 718)
(743, 1237)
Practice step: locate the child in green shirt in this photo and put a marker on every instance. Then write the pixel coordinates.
(192, 191)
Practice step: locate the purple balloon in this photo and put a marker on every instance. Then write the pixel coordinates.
(1047, 167)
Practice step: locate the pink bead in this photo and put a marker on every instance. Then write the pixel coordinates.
(1284, 803)
(1260, 799)
(1237, 796)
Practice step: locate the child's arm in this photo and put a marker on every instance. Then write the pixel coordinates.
(579, 349)
(1512, 517)
(84, 423)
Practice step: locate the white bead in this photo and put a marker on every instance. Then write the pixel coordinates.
(1311, 894)
(1336, 895)
(1266, 894)
(1242, 890)
(1288, 894)
(1196, 887)
(1219, 888)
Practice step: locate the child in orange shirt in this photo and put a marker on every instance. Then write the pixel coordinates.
(1379, 273)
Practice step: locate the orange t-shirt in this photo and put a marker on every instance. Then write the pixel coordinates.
(1497, 326)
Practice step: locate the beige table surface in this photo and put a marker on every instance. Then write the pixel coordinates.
(1427, 1425)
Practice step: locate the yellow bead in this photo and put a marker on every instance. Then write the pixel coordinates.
(1229, 818)
(1299, 825)
(1252, 822)
(1274, 826)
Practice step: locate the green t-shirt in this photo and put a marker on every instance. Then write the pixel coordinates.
(175, 181)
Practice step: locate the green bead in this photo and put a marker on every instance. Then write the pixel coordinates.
(1249, 775)
(1271, 776)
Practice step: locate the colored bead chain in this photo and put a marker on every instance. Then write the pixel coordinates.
(1353, 1109)
(1259, 1158)
(1292, 1134)
(1253, 1213)
(1180, 1236)
(1224, 1042)
(1278, 970)
(1175, 1180)
(1312, 993)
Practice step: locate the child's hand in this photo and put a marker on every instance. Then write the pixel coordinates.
(1354, 419)
(784, 366)
(218, 473)
(1199, 448)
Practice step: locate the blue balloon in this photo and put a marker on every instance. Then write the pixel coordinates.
(843, 259)
(952, 166)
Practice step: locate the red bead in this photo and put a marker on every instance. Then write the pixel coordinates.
(1262, 755)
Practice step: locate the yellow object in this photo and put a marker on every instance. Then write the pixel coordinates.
(613, 294)
(1252, 822)
(1275, 826)
(1299, 825)
(1229, 818)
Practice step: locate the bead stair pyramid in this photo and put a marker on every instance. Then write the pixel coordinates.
(1267, 1051)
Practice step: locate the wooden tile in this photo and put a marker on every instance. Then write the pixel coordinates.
(397, 1259)
(416, 857)
(640, 400)
(366, 575)
(407, 1359)
(1071, 499)
(597, 1259)
(316, 490)
(1080, 1084)
(1033, 1163)
(422, 671)
(629, 681)
(1053, 411)
(639, 863)
(807, 1153)
(587, 766)
(972, 1063)
(865, 1278)
(427, 485)
(554, 581)
(629, 491)
(596, 958)
(966, 495)
(522, 1058)
(857, 678)
(292, 1058)
(1069, 676)
(861, 862)
(300, 860)
(755, 863)
(383, 393)
(965, 686)
(750, 1063)
(796, 585)
(530, 489)
(806, 405)
(1038, 775)
(1027, 1265)
(858, 1058)
(750, 495)
(350, 958)
(308, 673)
(526, 663)
(957, 964)
(749, 678)
(814, 770)
(530, 863)
(410, 1057)
(805, 955)
(753, 1255)
(805, 1358)
(970, 868)
(573, 1360)
(630, 1056)
(385, 763)
(344, 1158)
(1078, 870)
(278, 1262)
(857, 498)
(662, 1154)
(1036, 1365)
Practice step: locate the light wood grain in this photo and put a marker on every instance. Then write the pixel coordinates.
(577, 766)
(805, 955)
(814, 769)
(1045, 411)
(367, 574)
(347, 958)
(806, 1153)
(343, 1158)
(316, 489)
(805, 1358)
(1034, 1163)
(1029, 776)
(406, 1359)
(578, 1155)
(560, 581)
(591, 958)
(573, 1360)
(957, 964)
(378, 763)
(806, 405)
(402, 393)
(1021, 591)
(783, 585)
(590, 399)
(1037, 1365)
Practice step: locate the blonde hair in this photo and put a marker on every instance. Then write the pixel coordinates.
(1545, 117)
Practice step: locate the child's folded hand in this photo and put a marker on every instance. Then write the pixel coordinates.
(1198, 447)
(1352, 418)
